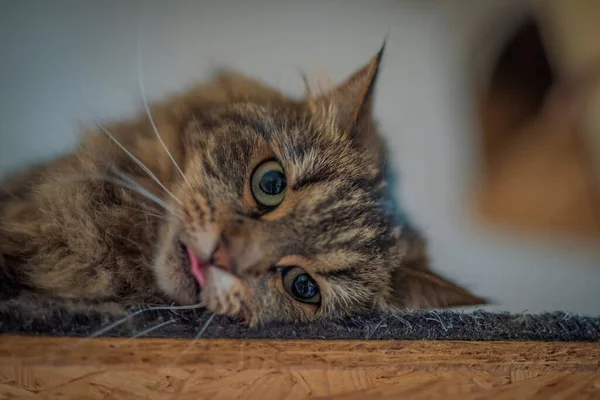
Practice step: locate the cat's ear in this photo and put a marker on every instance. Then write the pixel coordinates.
(352, 100)
(421, 289)
(414, 286)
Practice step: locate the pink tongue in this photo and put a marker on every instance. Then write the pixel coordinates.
(197, 267)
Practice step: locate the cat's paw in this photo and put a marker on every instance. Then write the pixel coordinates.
(223, 293)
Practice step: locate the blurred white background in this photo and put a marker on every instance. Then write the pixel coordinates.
(48, 48)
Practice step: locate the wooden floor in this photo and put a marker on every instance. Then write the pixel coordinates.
(60, 368)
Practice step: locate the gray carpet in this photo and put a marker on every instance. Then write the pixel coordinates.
(43, 317)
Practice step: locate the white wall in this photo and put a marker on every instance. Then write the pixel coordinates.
(47, 49)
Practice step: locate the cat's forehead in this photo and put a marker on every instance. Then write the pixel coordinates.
(310, 148)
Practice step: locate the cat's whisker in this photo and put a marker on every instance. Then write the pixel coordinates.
(116, 141)
(184, 351)
(135, 188)
(140, 190)
(121, 321)
(193, 341)
(149, 212)
(147, 331)
(140, 74)
(108, 328)
(157, 216)
(199, 335)
(130, 181)
(146, 208)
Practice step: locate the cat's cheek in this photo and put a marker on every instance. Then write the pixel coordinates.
(174, 283)
(171, 279)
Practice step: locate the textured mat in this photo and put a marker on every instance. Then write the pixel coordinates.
(44, 317)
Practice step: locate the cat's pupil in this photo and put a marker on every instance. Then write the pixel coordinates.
(305, 287)
(272, 182)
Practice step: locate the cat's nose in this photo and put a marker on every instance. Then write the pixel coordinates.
(247, 248)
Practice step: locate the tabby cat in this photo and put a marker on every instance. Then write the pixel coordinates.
(232, 195)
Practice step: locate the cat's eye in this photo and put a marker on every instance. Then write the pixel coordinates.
(268, 184)
(301, 286)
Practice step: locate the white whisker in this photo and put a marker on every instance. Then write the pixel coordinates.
(133, 184)
(148, 214)
(108, 328)
(144, 208)
(133, 187)
(188, 347)
(116, 141)
(140, 190)
(140, 73)
(147, 331)
(198, 336)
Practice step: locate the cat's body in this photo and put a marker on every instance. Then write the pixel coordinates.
(75, 228)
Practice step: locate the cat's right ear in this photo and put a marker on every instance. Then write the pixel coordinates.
(352, 100)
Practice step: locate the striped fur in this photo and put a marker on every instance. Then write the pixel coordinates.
(67, 232)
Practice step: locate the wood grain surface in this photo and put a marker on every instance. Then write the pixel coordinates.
(63, 368)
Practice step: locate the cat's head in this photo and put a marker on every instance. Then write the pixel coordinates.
(281, 215)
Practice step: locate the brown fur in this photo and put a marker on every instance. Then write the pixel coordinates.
(67, 232)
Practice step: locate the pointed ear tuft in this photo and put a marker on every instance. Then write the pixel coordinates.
(310, 99)
(353, 98)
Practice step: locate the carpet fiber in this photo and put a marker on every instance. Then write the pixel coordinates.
(43, 317)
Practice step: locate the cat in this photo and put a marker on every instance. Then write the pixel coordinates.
(259, 206)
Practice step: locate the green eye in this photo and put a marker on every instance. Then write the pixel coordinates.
(301, 286)
(268, 184)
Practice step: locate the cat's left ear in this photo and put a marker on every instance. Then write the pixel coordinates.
(352, 100)
(415, 286)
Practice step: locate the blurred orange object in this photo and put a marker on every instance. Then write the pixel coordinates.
(539, 121)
